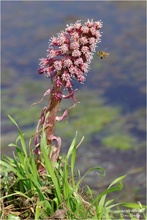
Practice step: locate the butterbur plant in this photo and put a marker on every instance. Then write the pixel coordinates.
(68, 58)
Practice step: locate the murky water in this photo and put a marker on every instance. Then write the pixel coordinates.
(115, 86)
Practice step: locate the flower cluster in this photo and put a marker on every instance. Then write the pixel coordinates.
(68, 57)
(70, 53)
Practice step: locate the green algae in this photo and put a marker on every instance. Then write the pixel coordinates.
(91, 117)
(119, 141)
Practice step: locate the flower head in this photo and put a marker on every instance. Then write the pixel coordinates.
(70, 53)
(68, 57)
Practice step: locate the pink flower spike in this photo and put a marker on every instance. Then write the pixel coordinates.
(78, 61)
(74, 46)
(85, 49)
(92, 40)
(64, 49)
(40, 70)
(67, 62)
(93, 31)
(68, 59)
(85, 29)
(81, 78)
(46, 61)
(78, 24)
(53, 53)
(84, 67)
(48, 71)
(63, 38)
(76, 53)
(72, 50)
(54, 41)
(74, 36)
(68, 84)
(58, 65)
(83, 40)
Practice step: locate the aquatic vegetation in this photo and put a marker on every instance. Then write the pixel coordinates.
(39, 183)
(119, 141)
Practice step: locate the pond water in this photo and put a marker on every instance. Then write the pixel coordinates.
(111, 115)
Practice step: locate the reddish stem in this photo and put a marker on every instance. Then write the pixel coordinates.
(52, 108)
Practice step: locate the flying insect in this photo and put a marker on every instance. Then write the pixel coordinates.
(102, 54)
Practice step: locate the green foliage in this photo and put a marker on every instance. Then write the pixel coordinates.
(119, 141)
(56, 192)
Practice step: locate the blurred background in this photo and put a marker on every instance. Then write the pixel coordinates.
(111, 113)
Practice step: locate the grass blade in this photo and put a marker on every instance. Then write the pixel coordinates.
(21, 137)
(49, 166)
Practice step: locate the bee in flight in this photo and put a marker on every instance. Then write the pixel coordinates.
(102, 54)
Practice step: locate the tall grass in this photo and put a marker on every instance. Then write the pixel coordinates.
(55, 193)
